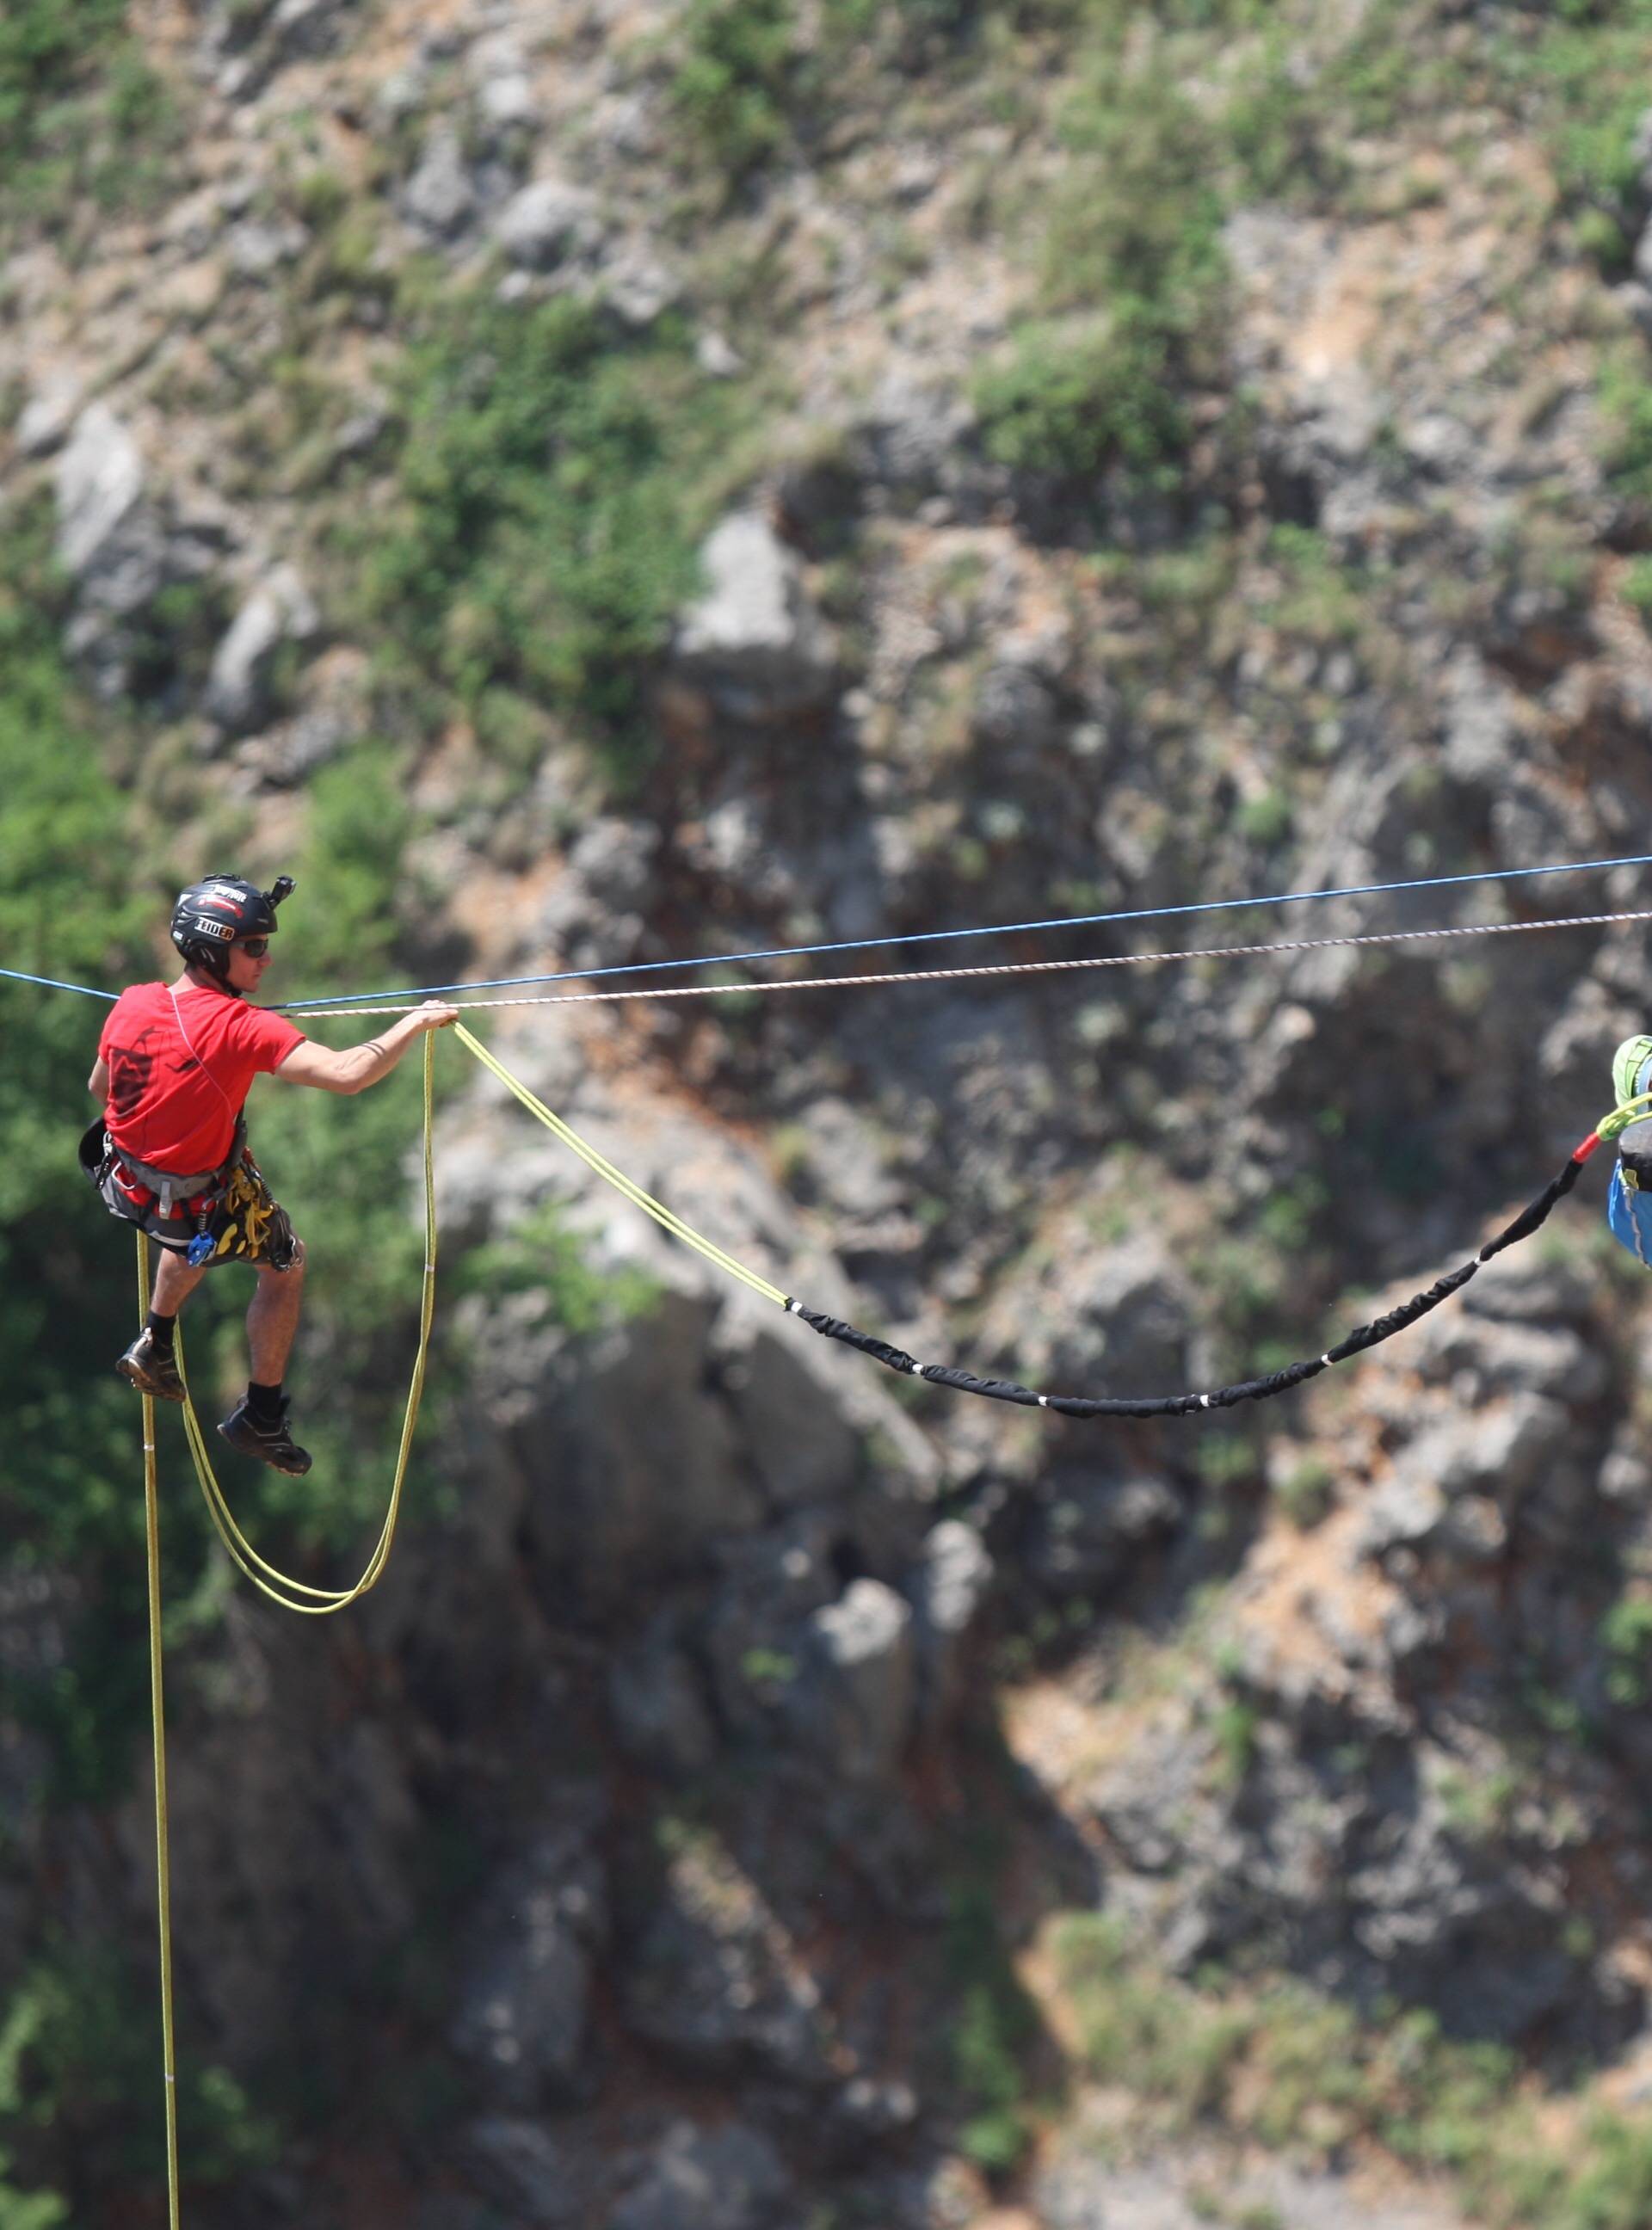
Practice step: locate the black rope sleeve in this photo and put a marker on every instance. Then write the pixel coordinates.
(1221, 1397)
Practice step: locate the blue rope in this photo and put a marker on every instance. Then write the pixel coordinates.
(918, 936)
(52, 984)
(941, 936)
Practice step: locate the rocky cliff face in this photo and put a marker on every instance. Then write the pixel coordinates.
(763, 481)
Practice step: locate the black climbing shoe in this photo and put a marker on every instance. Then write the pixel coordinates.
(151, 1369)
(271, 1444)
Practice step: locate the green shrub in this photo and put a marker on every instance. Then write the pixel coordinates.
(82, 116)
(735, 81)
(1307, 1491)
(552, 495)
(993, 2025)
(1626, 407)
(1279, 2064)
(79, 2073)
(1072, 398)
(1132, 249)
(1137, 214)
(1635, 586)
(1626, 1637)
(1588, 71)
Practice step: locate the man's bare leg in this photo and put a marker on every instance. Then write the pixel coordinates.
(272, 1321)
(174, 1282)
(150, 1364)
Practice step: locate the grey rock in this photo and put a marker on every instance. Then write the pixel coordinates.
(446, 2210)
(440, 198)
(508, 101)
(1120, 1315)
(639, 1459)
(1523, 1288)
(279, 611)
(267, 39)
(521, 2021)
(1643, 257)
(1014, 710)
(717, 357)
(1626, 1475)
(638, 287)
(1083, 2186)
(100, 482)
(729, 2178)
(915, 432)
(44, 422)
(308, 27)
(715, 1979)
(1480, 729)
(1404, 1510)
(253, 250)
(505, 95)
(614, 858)
(790, 1408)
(772, 1582)
(846, 1162)
(866, 2108)
(1086, 1538)
(111, 540)
(594, 913)
(1442, 445)
(755, 636)
(546, 222)
(361, 431)
(520, 2165)
(949, 1590)
(854, 1704)
(658, 1712)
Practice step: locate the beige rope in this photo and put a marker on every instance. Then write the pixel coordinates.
(1006, 968)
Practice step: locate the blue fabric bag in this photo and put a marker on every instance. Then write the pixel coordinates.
(1628, 1211)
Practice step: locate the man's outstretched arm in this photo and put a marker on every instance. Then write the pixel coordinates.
(358, 1067)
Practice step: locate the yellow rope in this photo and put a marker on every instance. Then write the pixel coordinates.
(279, 1586)
(158, 1713)
(623, 1184)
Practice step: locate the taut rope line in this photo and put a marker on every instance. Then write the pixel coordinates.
(999, 929)
(1007, 967)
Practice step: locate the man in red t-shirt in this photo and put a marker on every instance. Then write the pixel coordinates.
(174, 1066)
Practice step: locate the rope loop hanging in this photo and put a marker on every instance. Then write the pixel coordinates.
(294, 1595)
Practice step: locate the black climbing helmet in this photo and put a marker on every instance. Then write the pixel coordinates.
(210, 915)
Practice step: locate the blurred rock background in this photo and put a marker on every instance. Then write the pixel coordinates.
(583, 484)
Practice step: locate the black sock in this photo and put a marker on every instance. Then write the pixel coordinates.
(263, 1403)
(161, 1330)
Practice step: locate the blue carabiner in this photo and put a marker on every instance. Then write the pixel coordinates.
(201, 1248)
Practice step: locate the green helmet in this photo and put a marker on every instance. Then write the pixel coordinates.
(1630, 1077)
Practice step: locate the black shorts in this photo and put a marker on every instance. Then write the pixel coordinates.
(241, 1219)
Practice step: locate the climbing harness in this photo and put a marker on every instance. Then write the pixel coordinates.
(280, 1587)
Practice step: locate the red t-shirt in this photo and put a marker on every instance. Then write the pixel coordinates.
(180, 1065)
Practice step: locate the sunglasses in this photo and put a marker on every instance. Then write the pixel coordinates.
(254, 947)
